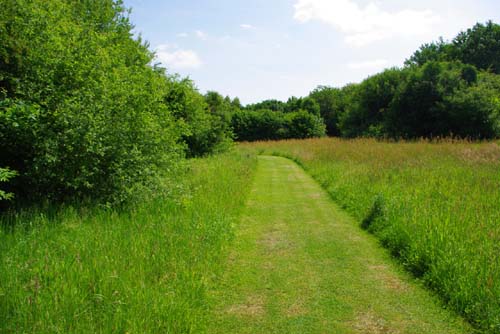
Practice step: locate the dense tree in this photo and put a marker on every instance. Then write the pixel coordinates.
(478, 46)
(303, 124)
(310, 105)
(443, 99)
(273, 105)
(368, 103)
(262, 124)
(333, 103)
(82, 111)
(293, 104)
(435, 51)
(205, 131)
(250, 125)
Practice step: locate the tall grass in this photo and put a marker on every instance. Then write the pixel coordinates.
(434, 205)
(141, 270)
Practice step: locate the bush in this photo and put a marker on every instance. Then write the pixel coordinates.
(81, 109)
(5, 175)
(273, 125)
(302, 124)
(478, 46)
(259, 125)
(205, 130)
(369, 101)
(442, 99)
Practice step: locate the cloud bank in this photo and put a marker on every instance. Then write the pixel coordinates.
(175, 58)
(368, 24)
(369, 65)
(247, 26)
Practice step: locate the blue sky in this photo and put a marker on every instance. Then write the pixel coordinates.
(262, 49)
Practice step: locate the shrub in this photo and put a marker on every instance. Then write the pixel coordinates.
(5, 175)
(81, 109)
(442, 99)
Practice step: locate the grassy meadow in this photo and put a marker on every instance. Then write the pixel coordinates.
(435, 205)
(140, 270)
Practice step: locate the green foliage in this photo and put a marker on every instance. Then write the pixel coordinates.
(146, 269)
(5, 175)
(333, 103)
(273, 105)
(442, 99)
(478, 46)
(303, 124)
(264, 124)
(308, 104)
(435, 51)
(205, 129)
(273, 120)
(437, 99)
(82, 109)
(369, 102)
(259, 125)
(440, 92)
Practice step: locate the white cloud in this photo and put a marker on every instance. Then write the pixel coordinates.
(201, 35)
(368, 24)
(247, 26)
(173, 57)
(182, 35)
(369, 65)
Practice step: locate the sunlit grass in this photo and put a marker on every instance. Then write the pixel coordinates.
(141, 270)
(437, 207)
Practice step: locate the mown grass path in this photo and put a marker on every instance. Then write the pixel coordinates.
(301, 265)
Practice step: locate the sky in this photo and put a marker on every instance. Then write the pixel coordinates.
(274, 49)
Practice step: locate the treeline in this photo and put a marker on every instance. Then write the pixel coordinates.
(83, 111)
(445, 89)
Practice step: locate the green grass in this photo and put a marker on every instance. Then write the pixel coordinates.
(438, 209)
(141, 270)
(301, 265)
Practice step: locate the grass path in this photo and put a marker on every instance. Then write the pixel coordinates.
(301, 265)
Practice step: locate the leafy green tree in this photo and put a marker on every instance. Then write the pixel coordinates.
(80, 105)
(303, 124)
(204, 132)
(5, 175)
(368, 103)
(236, 103)
(333, 103)
(293, 104)
(222, 109)
(435, 51)
(479, 46)
(442, 99)
(310, 105)
(273, 105)
(249, 125)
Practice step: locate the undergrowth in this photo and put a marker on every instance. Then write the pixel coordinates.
(144, 269)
